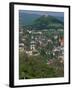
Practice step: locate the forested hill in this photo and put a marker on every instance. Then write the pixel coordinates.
(45, 22)
(39, 22)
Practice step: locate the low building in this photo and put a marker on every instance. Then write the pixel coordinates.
(29, 53)
(49, 41)
(29, 31)
(32, 45)
(21, 44)
(56, 36)
(61, 41)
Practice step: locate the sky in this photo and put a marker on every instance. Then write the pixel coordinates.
(60, 14)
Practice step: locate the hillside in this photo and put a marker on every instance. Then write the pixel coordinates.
(45, 22)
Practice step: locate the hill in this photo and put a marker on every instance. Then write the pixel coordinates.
(45, 22)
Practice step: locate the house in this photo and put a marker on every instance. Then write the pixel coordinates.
(49, 41)
(21, 31)
(29, 52)
(61, 58)
(61, 41)
(29, 31)
(32, 45)
(56, 36)
(56, 49)
(21, 45)
(23, 39)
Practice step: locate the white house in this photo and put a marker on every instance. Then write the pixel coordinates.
(29, 52)
(32, 45)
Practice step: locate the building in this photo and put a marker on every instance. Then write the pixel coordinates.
(21, 45)
(61, 41)
(29, 52)
(49, 41)
(32, 45)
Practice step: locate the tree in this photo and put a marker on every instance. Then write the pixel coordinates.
(49, 46)
(42, 52)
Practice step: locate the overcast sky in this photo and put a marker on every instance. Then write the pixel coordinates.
(61, 14)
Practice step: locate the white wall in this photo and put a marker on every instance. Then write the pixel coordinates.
(4, 44)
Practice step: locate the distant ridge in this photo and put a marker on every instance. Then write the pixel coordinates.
(28, 19)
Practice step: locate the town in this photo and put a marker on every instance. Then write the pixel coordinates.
(51, 42)
(41, 48)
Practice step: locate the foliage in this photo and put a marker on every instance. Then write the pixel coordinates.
(35, 67)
